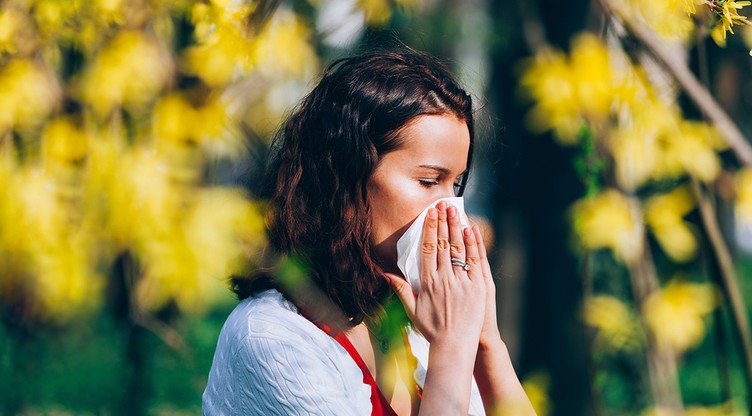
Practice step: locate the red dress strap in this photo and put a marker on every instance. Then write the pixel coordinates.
(379, 404)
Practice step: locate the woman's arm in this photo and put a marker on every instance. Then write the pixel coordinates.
(463, 332)
(497, 381)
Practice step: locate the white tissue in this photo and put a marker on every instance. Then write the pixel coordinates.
(408, 246)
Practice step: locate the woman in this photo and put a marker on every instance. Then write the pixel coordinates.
(380, 138)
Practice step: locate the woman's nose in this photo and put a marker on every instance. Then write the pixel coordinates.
(447, 192)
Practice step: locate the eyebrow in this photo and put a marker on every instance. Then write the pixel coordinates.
(440, 169)
(437, 168)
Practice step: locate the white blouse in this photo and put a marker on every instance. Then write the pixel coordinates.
(270, 360)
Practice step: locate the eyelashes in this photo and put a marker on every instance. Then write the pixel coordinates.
(430, 183)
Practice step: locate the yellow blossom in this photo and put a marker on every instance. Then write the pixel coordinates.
(536, 387)
(177, 122)
(283, 48)
(636, 154)
(728, 17)
(28, 94)
(664, 215)
(548, 80)
(689, 5)
(694, 147)
(610, 220)
(190, 266)
(130, 71)
(743, 202)
(674, 314)
(63, 141)
(592, 76)
(221, 55)
(60, 281)
(569, 92)
(668, 18)
(377, 12)
(14, 31)
(616, 325)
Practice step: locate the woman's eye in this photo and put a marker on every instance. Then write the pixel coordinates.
(428, 183)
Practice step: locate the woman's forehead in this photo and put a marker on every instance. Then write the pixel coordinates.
(439, 141)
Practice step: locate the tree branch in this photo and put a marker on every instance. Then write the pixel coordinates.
(662, 366)
(731, 290)
(687, 80)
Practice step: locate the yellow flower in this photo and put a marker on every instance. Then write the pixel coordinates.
(592, 76)
(283, 48)
(610, 220)
(63, 141)
(729, 16)
(743, 203)
(54, 254)
(12, 21)
(536, 386)
(569, 92)
(222, 55)
(130, 71)
(695, 148)
(190, 266)
(668, 18)
(636, 154)
(548, 80)
(28, 94)
(674, 314)
(689, 5)
(664, 215)
(616, 324)
(177, 122)
(377, 12)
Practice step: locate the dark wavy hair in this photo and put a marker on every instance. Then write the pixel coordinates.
(321, 160)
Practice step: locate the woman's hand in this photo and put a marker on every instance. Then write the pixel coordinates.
(462, 330)
(446, 309)
(490, 331)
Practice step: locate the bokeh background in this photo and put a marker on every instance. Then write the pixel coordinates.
(612, 173)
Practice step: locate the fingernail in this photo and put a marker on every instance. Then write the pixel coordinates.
(466, 231)
(433, 214)
(451, 212)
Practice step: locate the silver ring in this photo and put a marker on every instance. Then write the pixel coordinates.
(459, 262)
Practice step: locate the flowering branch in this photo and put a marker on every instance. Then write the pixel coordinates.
(718, 8)
(694, 89)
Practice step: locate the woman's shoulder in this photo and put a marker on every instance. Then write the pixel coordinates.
(282, 363)
(267, 315)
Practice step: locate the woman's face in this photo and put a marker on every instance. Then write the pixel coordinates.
(431, 159)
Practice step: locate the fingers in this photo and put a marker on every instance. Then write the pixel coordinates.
(473, 255)
(429, 245)
(456, 241)
(482, 252)
(442, 238)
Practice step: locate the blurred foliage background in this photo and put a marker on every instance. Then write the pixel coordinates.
(613, 166)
